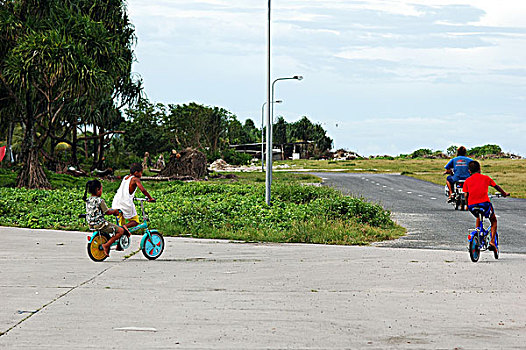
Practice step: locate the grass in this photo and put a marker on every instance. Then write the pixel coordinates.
(508, 173)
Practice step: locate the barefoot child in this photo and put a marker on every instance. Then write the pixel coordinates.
(476, 189)
(123, 199)
(96, 208)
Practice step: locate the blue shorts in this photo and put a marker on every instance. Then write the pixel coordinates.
(452, 180)
(487, 209)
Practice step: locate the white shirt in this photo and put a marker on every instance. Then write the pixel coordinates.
(123, 200)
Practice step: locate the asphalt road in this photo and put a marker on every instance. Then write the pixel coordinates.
(209, 294)
(421, 207)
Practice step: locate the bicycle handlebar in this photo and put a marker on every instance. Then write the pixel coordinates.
(498, 195)
(144, 200)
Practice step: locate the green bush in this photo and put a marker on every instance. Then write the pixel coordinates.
(217, 210)
(236, 158)
(484, 150)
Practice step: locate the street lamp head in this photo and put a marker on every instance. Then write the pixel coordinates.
(298, 77)
(278, 101)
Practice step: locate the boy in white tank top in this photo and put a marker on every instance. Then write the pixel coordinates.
(123, 199)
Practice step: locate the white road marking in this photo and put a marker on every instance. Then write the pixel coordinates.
(384, 186)
(420, 195)
(433, 198)
(391, 188)
(399, 190)
(136, 329)
(409, 192)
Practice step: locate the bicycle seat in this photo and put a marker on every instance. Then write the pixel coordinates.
(477, 211)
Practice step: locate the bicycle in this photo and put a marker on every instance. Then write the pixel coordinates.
(152, 242)
(479, 239)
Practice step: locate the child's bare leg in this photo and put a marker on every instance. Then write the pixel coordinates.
(493, 220)
(106, 246)
(131, 224)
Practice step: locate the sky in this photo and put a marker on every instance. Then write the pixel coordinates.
(381, 76)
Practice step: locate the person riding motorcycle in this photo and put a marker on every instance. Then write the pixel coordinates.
(457, 168)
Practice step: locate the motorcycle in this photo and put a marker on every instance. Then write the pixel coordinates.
(458, 198)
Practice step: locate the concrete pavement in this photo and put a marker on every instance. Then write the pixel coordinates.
(206, 294)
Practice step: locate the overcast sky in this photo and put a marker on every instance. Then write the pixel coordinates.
(383, 77)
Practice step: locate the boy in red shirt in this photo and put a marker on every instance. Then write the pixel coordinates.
(476, 189)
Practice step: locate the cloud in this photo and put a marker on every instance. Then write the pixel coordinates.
(381, 58)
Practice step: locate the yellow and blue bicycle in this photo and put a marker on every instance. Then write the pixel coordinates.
(152, 242)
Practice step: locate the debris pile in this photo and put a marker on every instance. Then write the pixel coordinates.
(187, 163)
(220, 165)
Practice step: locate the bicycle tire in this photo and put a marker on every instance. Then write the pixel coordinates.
(496, 251)
(474, 248)
(95, 251)
(153, 246)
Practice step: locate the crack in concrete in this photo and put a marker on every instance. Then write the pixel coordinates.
(63, 295)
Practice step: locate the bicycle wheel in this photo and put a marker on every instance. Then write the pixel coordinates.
(95, 251)
(496, 251)
(474, 249)
(153, 246)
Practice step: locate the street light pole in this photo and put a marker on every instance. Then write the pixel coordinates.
(270, 110)
(263, 134)
(296, 77)
(270, 118)
(268, 178)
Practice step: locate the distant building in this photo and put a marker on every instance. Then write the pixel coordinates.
(283, 151)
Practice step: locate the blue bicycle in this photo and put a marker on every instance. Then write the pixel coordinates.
(152, 242)
(479, 239)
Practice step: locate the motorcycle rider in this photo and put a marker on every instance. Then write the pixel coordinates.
(457, 168)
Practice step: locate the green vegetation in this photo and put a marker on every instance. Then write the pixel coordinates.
(225, 208)
(484, 150)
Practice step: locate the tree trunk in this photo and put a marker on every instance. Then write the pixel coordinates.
(86, 142)
(74, 158)
(9, 148)
(95, 149)
(101, 149)
(32, 174)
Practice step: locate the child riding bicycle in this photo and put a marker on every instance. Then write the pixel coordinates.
(96, 208)
(476, 189)
(123, 199)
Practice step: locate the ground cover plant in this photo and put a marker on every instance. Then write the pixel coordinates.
(229, 209)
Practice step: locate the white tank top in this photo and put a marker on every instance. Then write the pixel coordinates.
(123, 200)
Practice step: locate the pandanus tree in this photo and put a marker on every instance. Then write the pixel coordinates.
(59, 54)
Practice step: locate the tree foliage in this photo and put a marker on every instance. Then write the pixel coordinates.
(158, 128)
(302, 130)
(58, 56)
(484, 150)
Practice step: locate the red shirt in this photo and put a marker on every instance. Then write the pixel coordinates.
(477, 187)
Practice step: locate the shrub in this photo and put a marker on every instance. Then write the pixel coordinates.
(215, 210)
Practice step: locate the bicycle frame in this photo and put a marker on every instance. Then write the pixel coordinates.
(483, 234)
